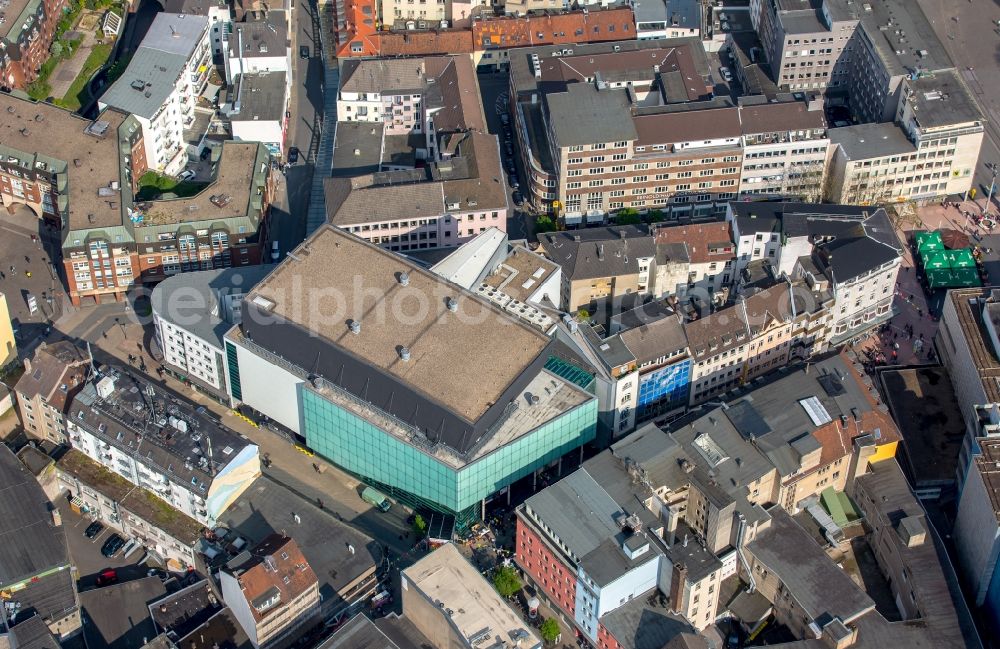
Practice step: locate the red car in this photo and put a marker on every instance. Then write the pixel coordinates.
(107, 577)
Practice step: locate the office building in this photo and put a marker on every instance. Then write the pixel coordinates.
(601, 264)
(26, 34)
(35, 567)
(440, 205)
(52, 377)
(157, 442)
(8, 345)
(161, 85)
(135, 512)
(453, 605)
(258, 43)
(432, 405)
(191, 314)
(977, 527)
(272, 591)
(930, 150)
(80, 177)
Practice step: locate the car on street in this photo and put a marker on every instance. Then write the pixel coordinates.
(513, 181)
(106, 577)
(293, 155)
(205, 153)
(187, 174)
(93, 529)
(518, 199)
(510, 167)
(275, 251)
(303, 51)
(112, 545)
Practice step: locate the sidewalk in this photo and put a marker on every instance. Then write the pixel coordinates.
(66, 72)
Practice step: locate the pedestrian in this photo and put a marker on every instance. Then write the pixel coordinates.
(28, 273)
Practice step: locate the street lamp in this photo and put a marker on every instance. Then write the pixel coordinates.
(122, 325)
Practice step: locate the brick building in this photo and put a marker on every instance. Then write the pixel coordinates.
(26, 31)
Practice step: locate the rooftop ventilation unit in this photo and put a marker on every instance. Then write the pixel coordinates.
(404, 278)
(355, 326)
(404, 353)
(452, 304)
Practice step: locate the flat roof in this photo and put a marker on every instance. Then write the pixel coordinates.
(472, 261)
(819, 586)
(267, 507)
(117, 616)
(867, 141)
(521, 273)
(448, 353)
(584, 114)
(942, 99)
(124, 420)
(30, 543)
(155, 66)
(987, 463)
(261, 97)
(84, 151)
(227, 196)
(448, 581)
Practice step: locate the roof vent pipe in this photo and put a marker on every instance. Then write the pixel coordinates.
(355, 326)
(404, 353)
(404, 278)
(452, 304)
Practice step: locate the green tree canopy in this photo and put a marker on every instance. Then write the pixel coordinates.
(506, 581)
(549, 630)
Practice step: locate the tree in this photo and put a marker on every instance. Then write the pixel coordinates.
(550, 630)
(582, 314)
(627, 216)
(544, 223)
(506, 581)
(419, 525)
(656, 216)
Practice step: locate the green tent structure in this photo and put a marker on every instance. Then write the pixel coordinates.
(938, 277)
(929, 241)
(935, 259)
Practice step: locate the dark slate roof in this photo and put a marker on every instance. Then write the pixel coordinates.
(599, 252)
(583, 114)
(862, 250)
(33, 633)
(53, 597)
(29, 541)
(640, 624)
(767, 216)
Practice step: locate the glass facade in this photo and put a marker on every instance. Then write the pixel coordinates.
(664, 389)
(234, 372)
(363, 449)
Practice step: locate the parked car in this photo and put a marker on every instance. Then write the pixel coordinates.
(513, 181)
(112, 545)
(206, 152)
(187, 174)
(93, 530)
(510, 167)
(304, 52)
(293, 155)
(106, 577)
(518, 199)
(376, 498)
(726, 74)
(275, 251)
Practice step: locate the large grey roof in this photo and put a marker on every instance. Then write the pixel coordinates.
(811, 577)
(942, 99)
(117, 616)
(157, 63)
(191, 300)
(29, 541)
(768, 216)
(584, 115)
(641, 625)
(267, 507)
(868, 246)
(652, 340)
(262, 97)
(357, 149)
(33, 633)
(599, 252)
(263, 35)
(864, 141)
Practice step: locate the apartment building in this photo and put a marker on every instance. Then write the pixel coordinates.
(133, 511)
(785, 148)
(667, 18)
(930, 151)
(442, 204)
(601, 264)
(977, 523)
(259, 109)
(719, 344)
(154, 441)
(218, 12)
(191, 314)
(272, 591)
(26, 32)
(452, 605)
(852, 252)
(52, 377)
(439, 430)
(260, 43)
(711, 257)
(161, 85)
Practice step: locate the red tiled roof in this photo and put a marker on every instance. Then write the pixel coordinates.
(569, 27)
(277, 565)
(359, 27)
(705, 242)
(438, 41)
